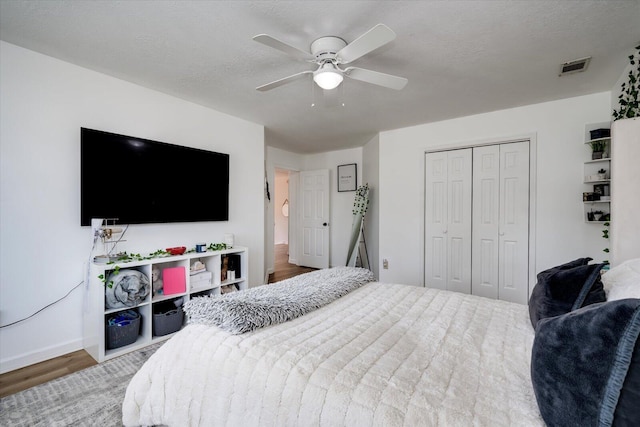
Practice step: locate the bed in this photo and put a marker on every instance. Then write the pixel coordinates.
(333, 348)
(383, 354)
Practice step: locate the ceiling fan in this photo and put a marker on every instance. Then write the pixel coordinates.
(330, 52)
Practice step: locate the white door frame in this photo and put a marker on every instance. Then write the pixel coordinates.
(294, 183)
(533, 150)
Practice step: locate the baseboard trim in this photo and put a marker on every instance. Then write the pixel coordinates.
(13, 363)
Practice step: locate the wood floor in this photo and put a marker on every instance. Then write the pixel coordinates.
(282, 268)
(22, 379)
(30, 376)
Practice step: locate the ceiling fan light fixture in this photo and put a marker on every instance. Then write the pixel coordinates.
(327, 76)
(330, 52)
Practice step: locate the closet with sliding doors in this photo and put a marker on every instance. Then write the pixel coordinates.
(477, 220)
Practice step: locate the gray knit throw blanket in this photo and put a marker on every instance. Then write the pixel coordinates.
(240, 312)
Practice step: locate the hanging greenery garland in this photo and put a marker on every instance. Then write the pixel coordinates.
(629, 98)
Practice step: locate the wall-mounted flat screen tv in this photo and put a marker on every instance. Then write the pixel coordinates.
(139, 181)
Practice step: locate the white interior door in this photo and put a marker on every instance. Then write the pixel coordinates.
(314, 218)
(500, 248)
(486, 206)
(448, 220)
(459, 229)
(513, 266)
(435, 223)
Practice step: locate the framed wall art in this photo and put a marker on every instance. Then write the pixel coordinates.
(347, 177)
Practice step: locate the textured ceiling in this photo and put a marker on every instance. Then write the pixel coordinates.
(461, 57)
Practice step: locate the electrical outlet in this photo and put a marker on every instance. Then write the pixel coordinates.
(385, 264)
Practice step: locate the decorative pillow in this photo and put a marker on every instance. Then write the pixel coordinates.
(565, 288)
(623, 281)
(628, 411)
(585, 365)
(240, 312)
(571, 264)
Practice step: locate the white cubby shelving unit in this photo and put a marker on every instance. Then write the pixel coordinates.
(595, 182)
(96, 313)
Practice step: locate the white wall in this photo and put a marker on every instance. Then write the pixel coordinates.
(371, 175)
(281, 190)
(44, 102)
(559, 128)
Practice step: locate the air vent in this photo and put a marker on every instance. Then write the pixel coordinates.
(575, 66)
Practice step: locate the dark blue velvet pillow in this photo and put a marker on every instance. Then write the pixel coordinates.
(584, 366)
(565, 288)
(575, 263)
(628, 409)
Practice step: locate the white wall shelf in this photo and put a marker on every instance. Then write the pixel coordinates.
(608, 138)
(594, 180)
(96, 312)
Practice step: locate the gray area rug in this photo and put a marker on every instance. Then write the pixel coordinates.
(91, 397)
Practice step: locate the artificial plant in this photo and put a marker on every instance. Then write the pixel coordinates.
(629, 98)
(605, 235)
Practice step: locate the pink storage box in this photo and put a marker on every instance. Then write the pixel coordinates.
(174, 280)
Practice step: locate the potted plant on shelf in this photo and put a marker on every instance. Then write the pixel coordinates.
(602, 174)
(593, 216)
(597, 149)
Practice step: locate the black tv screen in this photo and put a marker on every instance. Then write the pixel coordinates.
(140, 181)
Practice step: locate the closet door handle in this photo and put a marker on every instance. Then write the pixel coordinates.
(501, 233)
(445, 231)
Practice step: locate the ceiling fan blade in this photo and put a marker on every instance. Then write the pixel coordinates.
(371, 40)
(283, 81)
(283, 47)
(376, 78)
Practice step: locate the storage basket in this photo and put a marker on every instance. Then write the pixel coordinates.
(167, 322)
(122, 329)
(600, 133)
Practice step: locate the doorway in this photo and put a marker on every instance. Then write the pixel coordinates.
(284, 234)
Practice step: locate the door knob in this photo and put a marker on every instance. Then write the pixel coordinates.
(324, 224)
(445, 232)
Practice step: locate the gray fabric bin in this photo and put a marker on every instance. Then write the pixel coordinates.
(168, 322)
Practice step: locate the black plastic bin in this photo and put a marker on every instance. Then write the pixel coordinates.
(123, 329)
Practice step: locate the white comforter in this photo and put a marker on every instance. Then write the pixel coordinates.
(383, 355)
